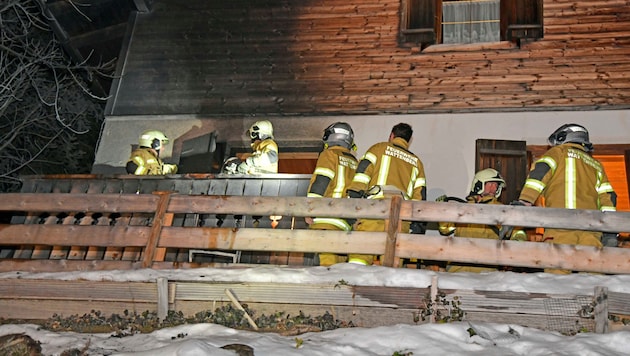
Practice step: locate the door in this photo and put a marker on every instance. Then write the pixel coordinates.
(507, 157)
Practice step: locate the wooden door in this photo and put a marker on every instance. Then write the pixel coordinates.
(507, 157)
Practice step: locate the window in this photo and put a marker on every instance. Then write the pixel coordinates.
(427, 22)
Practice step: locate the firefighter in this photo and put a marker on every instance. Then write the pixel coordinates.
(486, 188)
(567, 176)
(335, 169)
(145, 160)
(264, 158)
(387, 168)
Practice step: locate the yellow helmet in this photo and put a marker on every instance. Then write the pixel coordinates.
(153, 138)
(484, 176)
(260, 130)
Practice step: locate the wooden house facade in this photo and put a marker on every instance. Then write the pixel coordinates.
(204, 66)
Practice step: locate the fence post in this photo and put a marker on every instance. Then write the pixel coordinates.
(162, 303)
(393, 226)
(156, 228)
(601, 310)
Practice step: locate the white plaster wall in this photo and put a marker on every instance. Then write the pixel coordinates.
(444, 142)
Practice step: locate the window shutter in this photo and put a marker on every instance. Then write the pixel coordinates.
(419, 25)
(521, 20)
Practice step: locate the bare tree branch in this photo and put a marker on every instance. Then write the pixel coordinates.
(49, 120)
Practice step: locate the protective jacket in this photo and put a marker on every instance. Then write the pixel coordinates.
(335, 169)
(391, 164)
(264, 158)
(568, 177)
(145, 161)
(388, 166)
(479, 230)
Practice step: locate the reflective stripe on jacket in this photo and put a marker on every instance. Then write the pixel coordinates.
(146, 161)
(568, 177)
(335, 168)
(264, 159)
(391, 164)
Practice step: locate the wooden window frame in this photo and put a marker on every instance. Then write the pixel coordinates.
(421, 25)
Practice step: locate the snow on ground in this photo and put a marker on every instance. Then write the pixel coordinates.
(428, 339)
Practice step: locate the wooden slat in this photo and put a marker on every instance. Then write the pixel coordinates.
(78, 290)
(618, 303)
(393, 228)
(75, 235)
(156, 229)
(593, 220)
(63, 202)
(373, 296)
(515, 253)
(12, 265)
(270, 205)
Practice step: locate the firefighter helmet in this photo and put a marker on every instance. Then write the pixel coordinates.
(260, 130)
(153, 138)
(573, 133)
(339, 134)
(484, 176)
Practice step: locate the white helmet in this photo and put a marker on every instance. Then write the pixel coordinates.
(153, 139)
(260, 130)
(573, 133)
(339, 134)
(484, 176)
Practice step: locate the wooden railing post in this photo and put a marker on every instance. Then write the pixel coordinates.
(393, 226)
(601, 310)
(156, 228)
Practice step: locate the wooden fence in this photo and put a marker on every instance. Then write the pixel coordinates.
(95, 231)
(54, 232)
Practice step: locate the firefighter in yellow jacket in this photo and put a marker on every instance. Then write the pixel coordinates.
(567, 176)
(335, 169)
(387, 167)
(264, 158)
(486, 188)
(145, 160)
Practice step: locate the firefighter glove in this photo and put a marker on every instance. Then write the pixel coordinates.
(519, 203)
(243, 168)
(356, 194)
(418, 227)
(610, 239)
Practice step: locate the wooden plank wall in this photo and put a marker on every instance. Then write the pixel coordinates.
(334, 57)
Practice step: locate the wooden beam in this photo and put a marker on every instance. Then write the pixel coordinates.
(64, 202)
(156, 229)
(515, 253)
(75, 235)
(12, 265)
(393, 227)
(284, 240)
(600, 312)
(592, 220)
